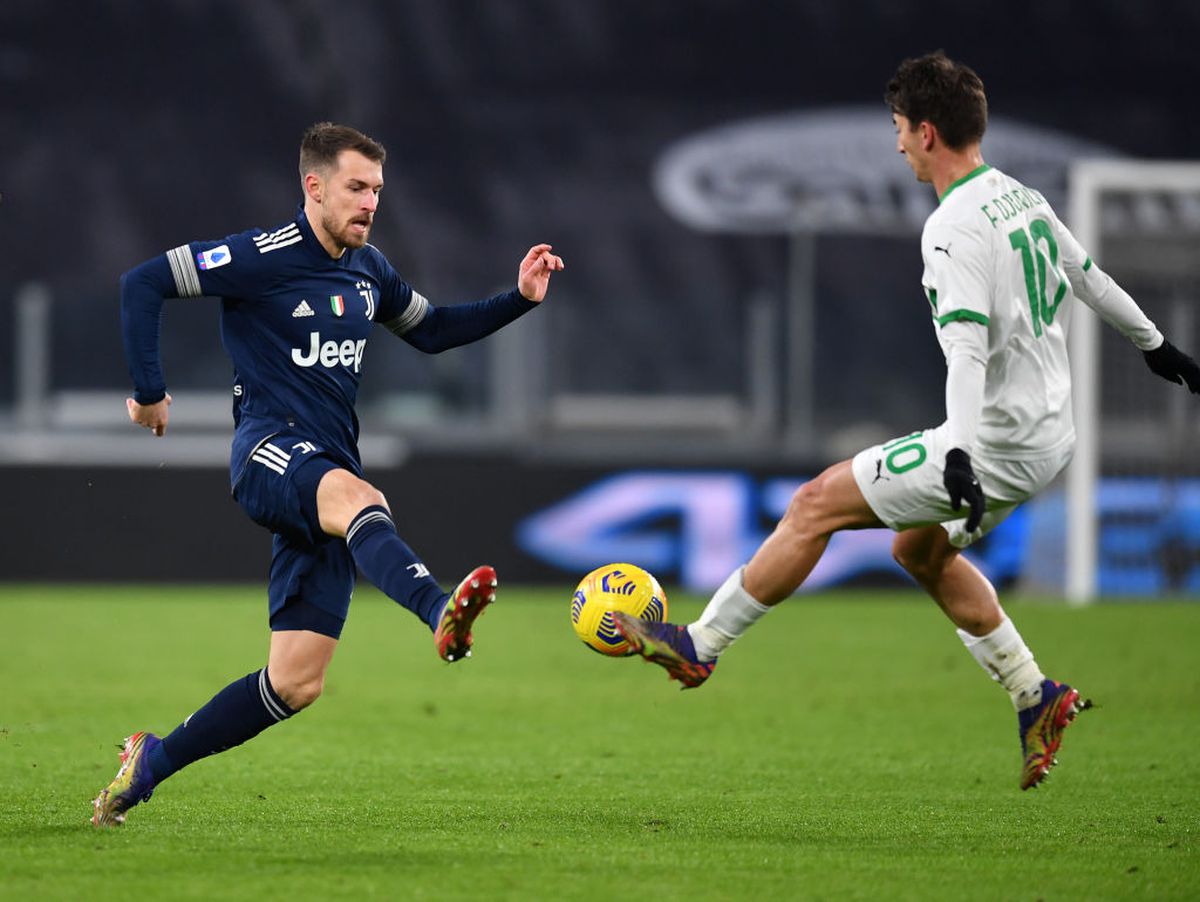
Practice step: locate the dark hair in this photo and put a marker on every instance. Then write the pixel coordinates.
(322, 142)
(933, 88)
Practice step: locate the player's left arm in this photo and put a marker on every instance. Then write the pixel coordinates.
(433, 329)
(963, 315)
(1113, 304)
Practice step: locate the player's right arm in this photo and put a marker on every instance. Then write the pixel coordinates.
(201, 268)
(959, 292)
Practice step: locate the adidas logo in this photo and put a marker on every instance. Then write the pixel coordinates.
(302, 309)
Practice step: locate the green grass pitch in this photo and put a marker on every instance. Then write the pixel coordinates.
(847, 747)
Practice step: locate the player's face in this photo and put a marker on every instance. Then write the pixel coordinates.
(910, 142)
(350, 198)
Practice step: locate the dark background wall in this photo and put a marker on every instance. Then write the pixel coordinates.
(129, 127)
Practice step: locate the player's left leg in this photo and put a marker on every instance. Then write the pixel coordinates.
(1044, 707)
(352, 508)
(818, 509)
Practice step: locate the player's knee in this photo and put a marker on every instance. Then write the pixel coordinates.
(921, 566)
(369, 496)
(299, 692)
(906, 559)
(807, 510)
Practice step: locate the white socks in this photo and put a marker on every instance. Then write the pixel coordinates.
(1002, 653)
(731, 612)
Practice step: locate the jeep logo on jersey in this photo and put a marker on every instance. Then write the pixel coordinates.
(330, 354)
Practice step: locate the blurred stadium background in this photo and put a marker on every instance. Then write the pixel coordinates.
(741, 305)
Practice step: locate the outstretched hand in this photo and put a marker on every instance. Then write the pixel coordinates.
(1173, 365)
(533, 277)
(960, 481)
(152, 416)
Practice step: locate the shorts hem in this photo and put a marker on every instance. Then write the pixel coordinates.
(297, 614)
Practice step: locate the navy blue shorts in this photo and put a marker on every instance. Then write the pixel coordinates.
(312, 573)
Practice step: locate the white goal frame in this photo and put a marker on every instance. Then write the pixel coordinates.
(1088, 180)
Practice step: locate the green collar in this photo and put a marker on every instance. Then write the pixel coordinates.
(966, 178)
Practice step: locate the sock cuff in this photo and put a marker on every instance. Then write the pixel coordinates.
(732, 609)
(727, 616)
(369, 518)
(159, 763)
(1005, 631)
(275, 706)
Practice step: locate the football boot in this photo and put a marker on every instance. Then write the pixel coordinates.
(452, 638)
(666, 644)
(1041, 728)
(133, 783)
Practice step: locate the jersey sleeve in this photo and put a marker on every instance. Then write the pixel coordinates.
(1099, 291)
(218, 268)
(433, 329)
(231, 267)
(400, 308)
(966, 376)
(957, 262)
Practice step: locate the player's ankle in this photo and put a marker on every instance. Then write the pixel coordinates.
(707, 642)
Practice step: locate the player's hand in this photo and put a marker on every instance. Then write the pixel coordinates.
(1173, 365)
(533, 277)
(959, 479)
(152, 416)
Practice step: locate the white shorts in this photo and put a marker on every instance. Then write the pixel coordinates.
(902, 482)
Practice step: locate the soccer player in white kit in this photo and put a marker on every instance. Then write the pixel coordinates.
(1002, 278)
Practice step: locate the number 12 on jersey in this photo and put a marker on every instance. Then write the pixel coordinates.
(1027, 242)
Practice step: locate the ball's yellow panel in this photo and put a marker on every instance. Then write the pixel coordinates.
(614, 587)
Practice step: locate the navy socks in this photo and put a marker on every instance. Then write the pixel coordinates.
(246, 707)
(240, 711)
(391, 565)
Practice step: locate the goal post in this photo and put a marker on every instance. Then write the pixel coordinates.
(1162, 195)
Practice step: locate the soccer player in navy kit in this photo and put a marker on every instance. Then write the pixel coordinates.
(298, 303)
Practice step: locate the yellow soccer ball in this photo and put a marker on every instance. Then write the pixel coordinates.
(614, 587)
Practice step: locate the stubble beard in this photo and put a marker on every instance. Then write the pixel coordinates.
(345, 236)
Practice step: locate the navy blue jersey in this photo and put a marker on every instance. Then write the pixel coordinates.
(295, 322)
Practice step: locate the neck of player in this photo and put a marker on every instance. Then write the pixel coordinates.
(954, 165)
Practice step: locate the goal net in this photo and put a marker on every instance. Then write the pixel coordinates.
(1132, 494)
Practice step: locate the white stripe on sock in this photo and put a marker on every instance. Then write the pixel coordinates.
(271, 705)
(363, 519)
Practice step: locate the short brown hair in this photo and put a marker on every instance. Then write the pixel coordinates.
(934, 88)
(322, 142)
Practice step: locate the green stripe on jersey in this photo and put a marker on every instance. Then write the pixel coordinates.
(1087, 264)
(978, 170)
(933, 300)
(961, 316)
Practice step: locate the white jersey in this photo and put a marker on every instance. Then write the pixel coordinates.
(1002, 275)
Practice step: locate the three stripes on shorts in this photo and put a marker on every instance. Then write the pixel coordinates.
(271, 456)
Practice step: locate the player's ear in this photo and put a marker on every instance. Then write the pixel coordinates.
(929, 134)
(313, 186)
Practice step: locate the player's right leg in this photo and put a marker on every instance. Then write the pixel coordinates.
(352, 508)
(818, 509)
